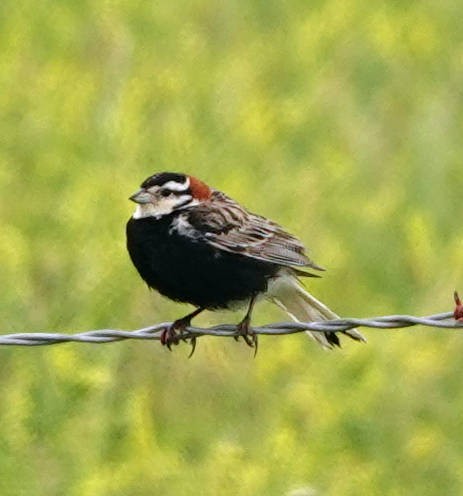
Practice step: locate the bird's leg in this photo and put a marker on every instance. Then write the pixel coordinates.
(245, 330)
(169, 336)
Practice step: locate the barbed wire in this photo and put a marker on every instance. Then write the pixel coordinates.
(442, 320)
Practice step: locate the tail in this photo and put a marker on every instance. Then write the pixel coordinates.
(287, 292)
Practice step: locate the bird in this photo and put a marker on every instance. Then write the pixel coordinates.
(194, 244)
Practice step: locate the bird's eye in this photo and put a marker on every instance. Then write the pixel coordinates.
(165, 192)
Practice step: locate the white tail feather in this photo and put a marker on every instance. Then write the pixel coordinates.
(287, 292)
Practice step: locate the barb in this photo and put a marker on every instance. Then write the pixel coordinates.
(442, 320)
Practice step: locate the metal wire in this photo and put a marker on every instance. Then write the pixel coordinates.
(442, 320)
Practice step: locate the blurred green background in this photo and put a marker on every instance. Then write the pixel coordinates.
(340, 120)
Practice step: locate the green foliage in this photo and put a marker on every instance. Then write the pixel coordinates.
(340, 120)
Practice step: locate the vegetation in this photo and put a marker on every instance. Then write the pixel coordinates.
(340, 120)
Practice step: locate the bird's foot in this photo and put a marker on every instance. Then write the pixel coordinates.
(246, 332)
(170, 336)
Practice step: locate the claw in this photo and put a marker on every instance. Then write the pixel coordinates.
(245, 331)
(193, 346)
(249, 336)
(169, 337)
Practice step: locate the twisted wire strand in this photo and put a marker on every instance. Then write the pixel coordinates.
(442, 320)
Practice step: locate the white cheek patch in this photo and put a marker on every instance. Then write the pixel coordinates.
(163, 206)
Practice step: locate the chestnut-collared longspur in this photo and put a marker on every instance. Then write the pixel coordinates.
(194, 244)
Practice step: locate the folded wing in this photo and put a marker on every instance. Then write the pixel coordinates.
(227, 226)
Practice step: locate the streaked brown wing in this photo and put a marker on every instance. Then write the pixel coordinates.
(225, 225)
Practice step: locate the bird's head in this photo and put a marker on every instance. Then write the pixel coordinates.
(166, 192)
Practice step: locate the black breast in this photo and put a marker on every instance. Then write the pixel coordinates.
(190, 270)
